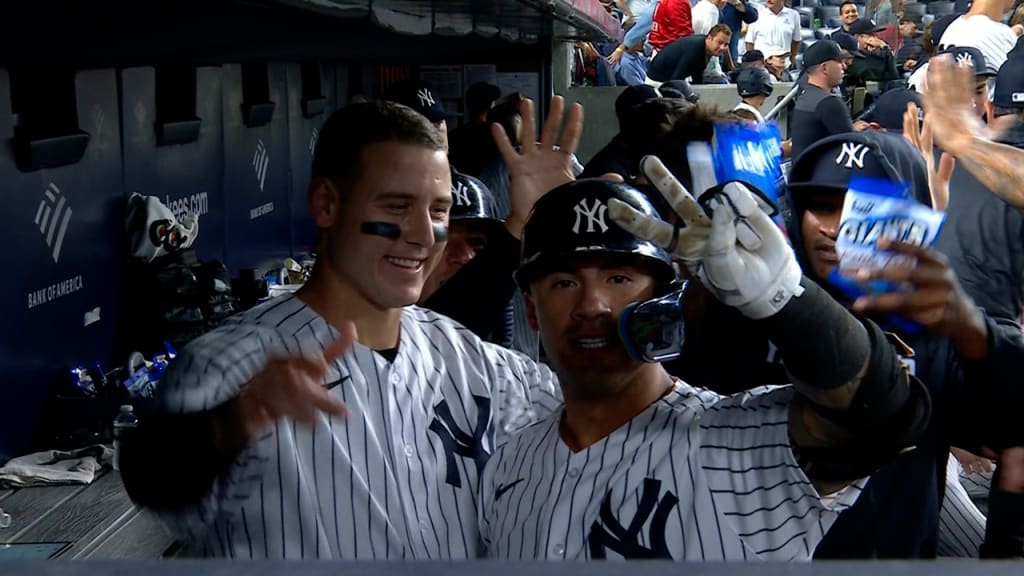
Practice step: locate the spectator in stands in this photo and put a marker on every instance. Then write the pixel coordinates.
(848, 14)
(933, 32)
(775, 61)
(670, 21)
(911, 51)
(884, 11)
(776, 25)
(878, 63)
(631, 66)
(705, 16)
(736, 13)
(818, 112)
(687, 58)
(886, 114)
(638, 32)
(468, 141)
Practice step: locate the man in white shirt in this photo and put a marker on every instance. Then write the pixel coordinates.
(981, 28)
(776, 25)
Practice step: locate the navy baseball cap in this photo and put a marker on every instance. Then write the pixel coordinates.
(848, 43)
(420, 96)
(970, 56)
(752, 56)
(831, 162)
(888, 109)
(822, 51)
(1009, 91)
(864, 26)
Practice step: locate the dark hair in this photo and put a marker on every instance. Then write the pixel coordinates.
(719, 28)
(664, 127)
(845, 2)
(350, 130)
(506, 113)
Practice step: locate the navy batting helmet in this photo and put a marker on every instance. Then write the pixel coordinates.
(572, 219)
(754, 82)
(471, 199)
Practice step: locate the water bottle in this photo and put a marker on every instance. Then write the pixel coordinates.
(125, 421)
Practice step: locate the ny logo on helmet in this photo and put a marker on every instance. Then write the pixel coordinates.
(460, 194)
(594, 215)
(852, 154)
(426, 98)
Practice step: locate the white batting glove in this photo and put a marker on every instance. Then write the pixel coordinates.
(740, 255)
(685, 242)
(748, 263)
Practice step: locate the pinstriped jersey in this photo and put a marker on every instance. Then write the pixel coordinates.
(696, 476)
(961, 523)
(397, 478)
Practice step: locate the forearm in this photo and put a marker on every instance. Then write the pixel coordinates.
(825, 348)
(998, 166)
(205, 442)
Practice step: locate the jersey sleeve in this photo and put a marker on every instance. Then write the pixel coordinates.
(755, 482)
(524, 391)
(207, 373)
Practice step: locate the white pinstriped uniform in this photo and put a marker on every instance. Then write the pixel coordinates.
(398, 478)
(961, 523)
(696, 476)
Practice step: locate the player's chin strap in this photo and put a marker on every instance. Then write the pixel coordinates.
(653, 330)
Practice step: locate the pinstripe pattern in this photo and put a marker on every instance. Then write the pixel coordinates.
(961, 524)
(696, 476)
(373, 485)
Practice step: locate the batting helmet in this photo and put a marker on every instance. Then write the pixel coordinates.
(572, 219)
(471, 199)
(754, 82)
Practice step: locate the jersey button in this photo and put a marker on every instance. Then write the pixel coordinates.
(409, 451)
(396, 378)
(574, 472)
(558, 550)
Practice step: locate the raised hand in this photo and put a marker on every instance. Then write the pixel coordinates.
(935, 298)
(685, 239)
(293, 387)
(954, 121)
(538, 167)
(923, 140)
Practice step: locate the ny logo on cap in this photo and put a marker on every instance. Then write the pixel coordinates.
(965, 59)
(594, 215)
(426, 98)
(460, 194)
(852, 154)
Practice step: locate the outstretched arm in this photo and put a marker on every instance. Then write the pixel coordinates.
(961, 133)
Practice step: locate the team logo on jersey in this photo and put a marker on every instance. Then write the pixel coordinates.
(460, 194)
(594, 215)
(457, 442)
(504, 488)
(852, 154)
(608, 533)
(260, 161)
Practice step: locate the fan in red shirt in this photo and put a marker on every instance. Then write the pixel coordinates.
(671, 21)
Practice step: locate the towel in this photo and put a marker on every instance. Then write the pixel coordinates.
(52, 467)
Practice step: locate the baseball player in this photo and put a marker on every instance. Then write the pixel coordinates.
(642, 465)
(342, 421)
(475, 228)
